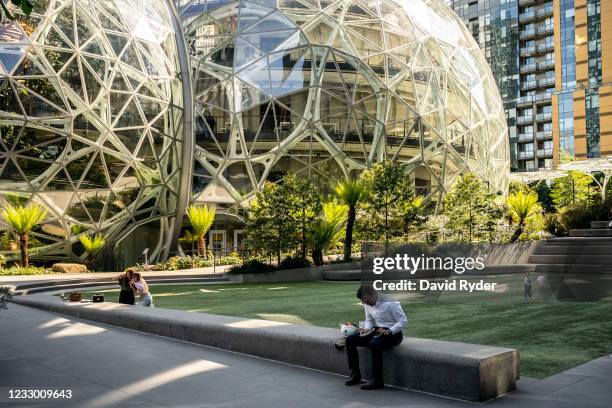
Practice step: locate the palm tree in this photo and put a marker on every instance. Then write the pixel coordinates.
(92, 245)
(326, 230)
(22, 220)
(201, 218)
(522, 206)
(351, 193)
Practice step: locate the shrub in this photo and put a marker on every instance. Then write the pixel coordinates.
(5, 296)
(294, 262)
(553, 225)
(231, 259)
(18, 270)
(2, 261)
(252, 266)
(576, 217)
(183, 262)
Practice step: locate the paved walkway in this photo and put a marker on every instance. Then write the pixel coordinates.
(111, 367)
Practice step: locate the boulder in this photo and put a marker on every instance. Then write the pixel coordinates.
(69, 268)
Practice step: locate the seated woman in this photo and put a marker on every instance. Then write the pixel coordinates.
(141, 288)
(126, 295)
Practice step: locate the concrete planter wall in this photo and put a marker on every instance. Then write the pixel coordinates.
(310, 274)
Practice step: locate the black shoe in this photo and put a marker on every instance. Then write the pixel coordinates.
(373, 385)
(355, 379)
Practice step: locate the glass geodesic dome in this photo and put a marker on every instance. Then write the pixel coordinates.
(326, 88)
(91, 121)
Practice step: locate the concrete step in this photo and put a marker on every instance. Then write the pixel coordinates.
(600, 224)
(594, 240)
(84, 285)
(571, 259)
(572, 250)
(577, 269)
(591, 232)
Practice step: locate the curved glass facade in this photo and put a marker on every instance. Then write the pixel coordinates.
(91, 122)
(326, 88)
(92, 112)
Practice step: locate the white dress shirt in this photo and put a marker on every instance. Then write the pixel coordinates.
(385, 313)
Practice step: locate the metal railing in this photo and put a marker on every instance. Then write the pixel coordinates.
(544, 134)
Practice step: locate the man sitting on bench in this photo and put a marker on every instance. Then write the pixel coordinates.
(384, 321)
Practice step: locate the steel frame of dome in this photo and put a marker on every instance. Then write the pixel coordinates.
(322, 88)
(91, 120)
(327, 88)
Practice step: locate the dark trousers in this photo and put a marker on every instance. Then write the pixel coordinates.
(126, 297)
(376, 343)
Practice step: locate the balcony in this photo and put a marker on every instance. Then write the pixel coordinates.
(544, 117)
(524, 101)
(544, 134)
(525, 155)
(547, 46)
(528, 68)
(529, 85)
(526, 51)
(526, 2)
(526, 17)
(527, 33)
(545, 29)
(543, 98)
(545, 65)
(545, 152)
(546, 82)
(525, 137)
(545, 12)
(524, 119)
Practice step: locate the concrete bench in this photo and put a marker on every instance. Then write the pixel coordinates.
(459, 370)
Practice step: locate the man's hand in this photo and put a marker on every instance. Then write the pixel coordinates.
(383, 332)
(364, 330)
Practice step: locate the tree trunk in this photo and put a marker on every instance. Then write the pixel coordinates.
(348, 237)
(201, 246)
(303, 233)
(518, 231)
(317, 257)
(386, 229)
(23, 246)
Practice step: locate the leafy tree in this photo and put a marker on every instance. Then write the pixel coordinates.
(92, 245)
(575, 188)
(25, 6)
(471, 204)
(281, 215)
(352, 193)
(271, 225)
(412, 212)
(201, 218)
(387, 193)
(543, 190)
(22, 220)
(305, 203)
(522, 206)
(326, 230)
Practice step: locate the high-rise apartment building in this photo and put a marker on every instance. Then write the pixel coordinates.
(552, 60)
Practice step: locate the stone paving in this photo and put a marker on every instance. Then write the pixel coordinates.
(106, 366)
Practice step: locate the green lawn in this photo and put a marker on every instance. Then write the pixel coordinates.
(552, 336)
